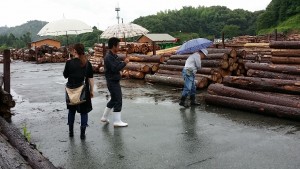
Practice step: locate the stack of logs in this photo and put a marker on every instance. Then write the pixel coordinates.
(49, 54)
(23, 54)
(141, 65)
(42, 54)
(257, 39)
(293, 37)
(97, 60)
(141, 48)
(166, 52)
(216, 65)
(279, 52)
(6, 102)
(271, 89)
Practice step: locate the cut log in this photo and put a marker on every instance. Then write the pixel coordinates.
(286, 52)
(176, 62)
(174, 80)
(271, 75)
(253, 83)
(221, 90)
(285, 60)
(153, 66)
(241, 53)
(273, 68)
(10, 157)
(171, 67)
(135, 66)
(213, 56)
(143, 58)
(197, 76)
(285, 44)
(216, 56)
(215, 50)
(177, 57)
(136, 74)
(207, 70)
(169, 72)
(165, 51)
(204, 63)
(253, 106)
(258, 45)
(31, 154)
(225, 72)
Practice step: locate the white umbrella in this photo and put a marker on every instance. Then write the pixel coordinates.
(65, 27)
(124, 31)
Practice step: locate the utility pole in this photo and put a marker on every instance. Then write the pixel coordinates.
(117, 9)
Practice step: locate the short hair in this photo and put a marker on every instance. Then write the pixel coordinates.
(113, 42)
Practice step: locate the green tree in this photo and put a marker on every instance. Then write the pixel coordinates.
(277, 12)
(231, 31)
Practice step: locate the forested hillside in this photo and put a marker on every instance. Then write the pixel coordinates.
(202, 21)
(33, 27)
(281, 14)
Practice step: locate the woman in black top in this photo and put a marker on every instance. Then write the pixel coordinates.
(79, 70)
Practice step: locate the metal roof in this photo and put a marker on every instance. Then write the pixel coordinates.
(45, 39)
(160, 37)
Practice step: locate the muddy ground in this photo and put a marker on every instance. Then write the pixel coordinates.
(161, 134)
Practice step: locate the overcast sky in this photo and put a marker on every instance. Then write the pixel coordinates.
(102, 13)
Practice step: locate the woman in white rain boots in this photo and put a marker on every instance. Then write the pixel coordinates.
(113, 65)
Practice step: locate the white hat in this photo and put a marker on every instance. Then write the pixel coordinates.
(204, 51)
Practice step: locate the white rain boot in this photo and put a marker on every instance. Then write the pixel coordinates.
(117, 120)
(104, 117)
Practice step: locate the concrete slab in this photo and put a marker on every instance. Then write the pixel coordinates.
(161, 134)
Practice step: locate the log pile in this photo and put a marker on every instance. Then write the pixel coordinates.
(166, 52)
(218, 64)
(286, 106)
(293, 37)
(140, 48)
(97, 59)
(141, 65)
(49, 54)
(285, 52)
(272, 89)
(6, 102)
(257, 39)
(42, 54)
(23, 54)
(17, 54)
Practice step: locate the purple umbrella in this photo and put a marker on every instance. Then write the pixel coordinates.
(194, 45)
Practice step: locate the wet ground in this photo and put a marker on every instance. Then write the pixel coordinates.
(161, 134)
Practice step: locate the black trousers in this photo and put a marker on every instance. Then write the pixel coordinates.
(115, 101)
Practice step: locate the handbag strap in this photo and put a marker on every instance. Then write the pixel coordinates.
(85, 72)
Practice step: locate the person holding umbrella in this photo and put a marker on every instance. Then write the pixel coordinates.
(113, 65)
(78, 71)
(192, 64)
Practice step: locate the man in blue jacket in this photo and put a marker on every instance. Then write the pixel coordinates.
(113, 65)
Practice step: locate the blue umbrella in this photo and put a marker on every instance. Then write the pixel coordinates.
(194, 45)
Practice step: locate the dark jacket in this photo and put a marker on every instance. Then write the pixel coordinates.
(76, 76)
(113, 65)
